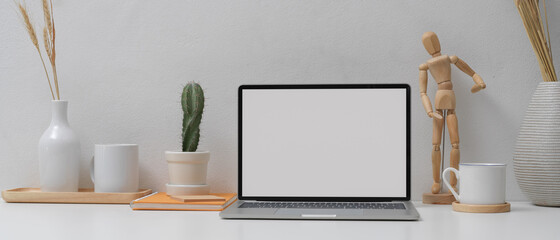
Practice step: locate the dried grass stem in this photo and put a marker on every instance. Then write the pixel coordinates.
(49, 37)
(531, 16)
(33, 36)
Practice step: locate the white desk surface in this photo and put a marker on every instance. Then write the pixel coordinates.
(90, 221)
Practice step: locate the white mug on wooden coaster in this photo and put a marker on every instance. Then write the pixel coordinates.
(114, 168)
(479, 183)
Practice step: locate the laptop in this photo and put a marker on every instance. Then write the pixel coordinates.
(336, 151)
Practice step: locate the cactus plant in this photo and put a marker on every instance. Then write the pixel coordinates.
(192, 101)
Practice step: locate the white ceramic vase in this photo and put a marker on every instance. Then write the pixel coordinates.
(59, 153)
(536, 160)
(187, 172)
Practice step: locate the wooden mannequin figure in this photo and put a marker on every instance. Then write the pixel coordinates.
(440, 69)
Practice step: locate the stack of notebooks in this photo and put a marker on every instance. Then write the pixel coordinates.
(162, 201)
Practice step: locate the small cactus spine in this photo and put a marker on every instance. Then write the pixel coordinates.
(192, 101)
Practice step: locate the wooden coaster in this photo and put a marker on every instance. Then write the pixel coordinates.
(498, 208)
(438, 198)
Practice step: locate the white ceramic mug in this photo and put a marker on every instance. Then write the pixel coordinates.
(479, 183)
(114, 168)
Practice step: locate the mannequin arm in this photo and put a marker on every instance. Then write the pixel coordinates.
(463, 66)
(423, 88)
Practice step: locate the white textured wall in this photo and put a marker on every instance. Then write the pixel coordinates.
(122, 65)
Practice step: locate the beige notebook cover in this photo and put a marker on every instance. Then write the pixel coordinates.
(162, 201)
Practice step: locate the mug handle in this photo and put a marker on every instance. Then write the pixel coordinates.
(91, 171)
(455, 194)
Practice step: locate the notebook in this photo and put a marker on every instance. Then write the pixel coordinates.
(162, 201)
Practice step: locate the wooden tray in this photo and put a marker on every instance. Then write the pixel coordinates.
(497, 208)
(34, 195)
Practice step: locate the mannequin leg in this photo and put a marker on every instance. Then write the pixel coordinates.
(455, 157)
(436, 153)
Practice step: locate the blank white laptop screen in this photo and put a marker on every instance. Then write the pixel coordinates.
(324, 142)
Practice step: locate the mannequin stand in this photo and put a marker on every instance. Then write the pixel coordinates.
(438, 198)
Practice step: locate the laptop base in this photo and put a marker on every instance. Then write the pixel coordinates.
(235, 212)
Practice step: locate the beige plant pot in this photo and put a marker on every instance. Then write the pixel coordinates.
(187, 172)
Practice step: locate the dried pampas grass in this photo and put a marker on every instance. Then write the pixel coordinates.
(531, 16)
(33, 36)
(49, 37)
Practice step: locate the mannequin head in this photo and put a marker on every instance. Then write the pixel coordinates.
(431, 43)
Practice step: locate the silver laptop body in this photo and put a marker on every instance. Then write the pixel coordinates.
(338, 152)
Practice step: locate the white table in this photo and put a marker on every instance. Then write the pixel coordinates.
(81, 221)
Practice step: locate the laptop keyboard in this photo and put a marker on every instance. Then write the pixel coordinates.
(324, 205)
